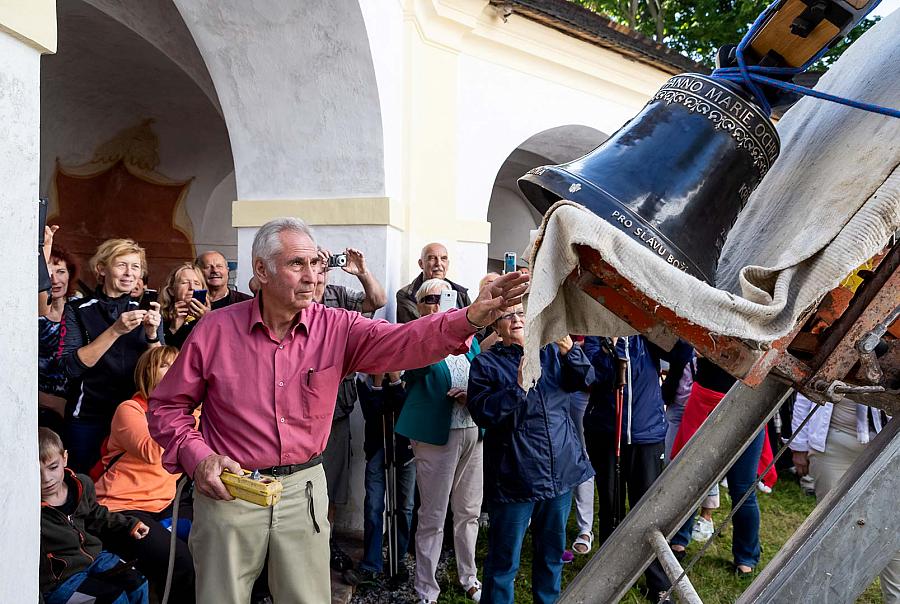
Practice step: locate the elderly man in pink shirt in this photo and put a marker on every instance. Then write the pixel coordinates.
(267, 372)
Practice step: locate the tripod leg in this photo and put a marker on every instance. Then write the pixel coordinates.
(389, 510)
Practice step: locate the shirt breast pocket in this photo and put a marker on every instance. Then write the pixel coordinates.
(319, 391)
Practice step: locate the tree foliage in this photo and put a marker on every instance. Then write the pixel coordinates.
(697, 28)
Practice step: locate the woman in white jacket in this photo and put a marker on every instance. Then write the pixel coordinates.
(827, 445)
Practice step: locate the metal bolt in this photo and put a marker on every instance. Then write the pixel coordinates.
(861, 522)
(868, 342)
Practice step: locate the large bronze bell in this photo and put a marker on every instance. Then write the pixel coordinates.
(676, 175)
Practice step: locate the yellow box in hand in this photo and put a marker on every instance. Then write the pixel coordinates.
(264, 491)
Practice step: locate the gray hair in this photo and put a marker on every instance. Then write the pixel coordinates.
(267, 242)
(429, 285)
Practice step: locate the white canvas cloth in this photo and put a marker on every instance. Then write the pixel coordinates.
(830, 202)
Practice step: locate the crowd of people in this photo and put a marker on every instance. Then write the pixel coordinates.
(267, 381)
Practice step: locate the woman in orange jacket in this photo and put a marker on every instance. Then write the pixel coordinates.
(134, 481)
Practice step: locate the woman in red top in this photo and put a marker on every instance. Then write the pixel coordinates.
(134, 481)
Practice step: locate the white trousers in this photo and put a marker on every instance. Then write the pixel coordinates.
(584, 506)
(450, 473)
(841, 450)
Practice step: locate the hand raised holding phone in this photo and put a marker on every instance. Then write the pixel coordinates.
(198, 305)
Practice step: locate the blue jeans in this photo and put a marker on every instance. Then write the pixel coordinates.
(83, 440)
(741, 478)
(509, 521)
(373, 510)
(104, 562)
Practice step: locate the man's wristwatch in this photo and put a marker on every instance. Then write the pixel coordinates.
(152, 340)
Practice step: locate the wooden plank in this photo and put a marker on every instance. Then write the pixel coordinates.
(776, 35)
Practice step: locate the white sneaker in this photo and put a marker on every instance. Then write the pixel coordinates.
(473, 590)
(703, 530)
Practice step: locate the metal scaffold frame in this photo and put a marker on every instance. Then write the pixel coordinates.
(852, 534)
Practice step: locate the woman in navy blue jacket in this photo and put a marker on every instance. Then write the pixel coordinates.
(642, 427)
(533, 455)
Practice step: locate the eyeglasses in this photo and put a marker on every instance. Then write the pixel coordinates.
(509, 317)
(431, 299)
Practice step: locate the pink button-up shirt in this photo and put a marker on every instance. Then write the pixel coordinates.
(270, 403)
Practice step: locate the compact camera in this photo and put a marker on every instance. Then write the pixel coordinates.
(337, 261)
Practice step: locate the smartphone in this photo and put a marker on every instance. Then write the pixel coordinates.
(448, 300)
(199, 295)
(150, 295)
(509, 262)
(44, 284)
(337, 261)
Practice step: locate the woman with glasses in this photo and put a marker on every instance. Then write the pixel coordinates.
(533, 455)
(447, 447)
(103, 336)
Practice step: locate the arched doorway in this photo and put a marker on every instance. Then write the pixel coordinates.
(512, 216)
(133, 143)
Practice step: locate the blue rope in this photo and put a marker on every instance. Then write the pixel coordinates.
(754, 77)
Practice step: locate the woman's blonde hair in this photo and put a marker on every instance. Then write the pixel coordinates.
(111, 249)
(147, 369)
(167, 297)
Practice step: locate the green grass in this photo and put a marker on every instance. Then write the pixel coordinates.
(781, 513)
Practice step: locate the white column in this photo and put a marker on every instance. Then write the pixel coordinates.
(19, 168)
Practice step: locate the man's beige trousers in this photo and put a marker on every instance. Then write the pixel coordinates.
(230, 539)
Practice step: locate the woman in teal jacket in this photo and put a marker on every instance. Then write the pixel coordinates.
(447, 448)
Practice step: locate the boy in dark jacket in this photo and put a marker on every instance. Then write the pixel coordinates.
(641, 427)
(72, 556)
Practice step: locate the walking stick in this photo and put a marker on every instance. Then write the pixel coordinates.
(390, 476)
(396, 554)
(622, 368)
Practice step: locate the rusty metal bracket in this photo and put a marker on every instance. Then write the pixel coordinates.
(745, 360)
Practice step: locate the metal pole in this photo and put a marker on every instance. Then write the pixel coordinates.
(677, 493)
(685, 589)
(390, 518)
(847, 540)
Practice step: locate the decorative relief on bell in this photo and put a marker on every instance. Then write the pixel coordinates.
(728, 111)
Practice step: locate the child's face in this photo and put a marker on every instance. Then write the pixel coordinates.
(52, 473)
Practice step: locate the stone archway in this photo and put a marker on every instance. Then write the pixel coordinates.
(297, 86)
(512, 216)
(133, 143)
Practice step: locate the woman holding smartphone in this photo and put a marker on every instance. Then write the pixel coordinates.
(183, 302)
(101, 338)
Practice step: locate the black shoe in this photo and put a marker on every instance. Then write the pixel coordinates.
(368, 580)
(400, 578)
(340, 561)
(680, 555)
(351, 577)
(263, 600)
